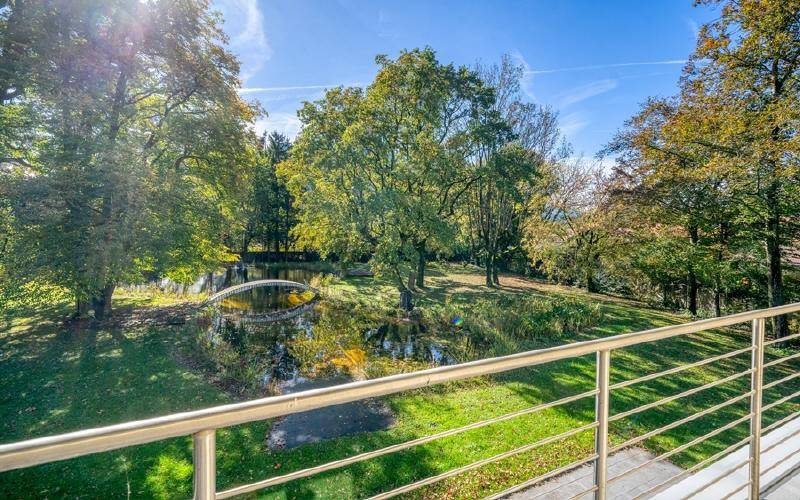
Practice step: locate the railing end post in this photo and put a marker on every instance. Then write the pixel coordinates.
(204, 455)
(601, 417)
(756, 386)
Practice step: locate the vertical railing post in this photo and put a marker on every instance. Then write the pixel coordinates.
(601, 417)
(756, 383)
(204, 454)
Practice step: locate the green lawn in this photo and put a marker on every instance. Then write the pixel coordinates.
(56, 380)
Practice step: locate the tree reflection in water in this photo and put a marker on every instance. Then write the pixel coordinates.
(330, 341)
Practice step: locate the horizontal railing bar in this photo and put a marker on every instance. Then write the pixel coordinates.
(737, 490)
(780, 401)
(780, 422)
(719, 478)
(682, 421)
(678, 396)
(584, 492)
(695, 467)
(63, 446)
(735, 446)
(543, 477)
(782, 460)
(781, 441)
(782, 339)
(679, 369)
(780, 381)
(485, 461)
(273, 481)
(781, 360)
(684, 446)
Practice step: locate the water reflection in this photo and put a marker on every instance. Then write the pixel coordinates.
(267, 299)
(326, 342)
(215, 281)
(406, 341)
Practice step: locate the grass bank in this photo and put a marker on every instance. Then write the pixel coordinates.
(59, 379)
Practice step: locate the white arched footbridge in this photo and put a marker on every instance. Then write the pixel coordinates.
(267, 316)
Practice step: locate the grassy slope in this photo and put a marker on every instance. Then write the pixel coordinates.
(57, 381)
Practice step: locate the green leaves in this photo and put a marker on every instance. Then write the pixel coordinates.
(380, 171)
(137, 140)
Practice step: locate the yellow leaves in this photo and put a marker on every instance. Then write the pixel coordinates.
(353, 360)
(297, 298)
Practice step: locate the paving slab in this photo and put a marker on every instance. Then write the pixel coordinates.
(784, 455)
(581, 479)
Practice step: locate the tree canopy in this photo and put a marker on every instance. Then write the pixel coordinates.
(128, 141)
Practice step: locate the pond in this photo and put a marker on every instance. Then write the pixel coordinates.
(325, 341)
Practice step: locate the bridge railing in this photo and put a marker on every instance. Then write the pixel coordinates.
(202, 424)
(249, 285)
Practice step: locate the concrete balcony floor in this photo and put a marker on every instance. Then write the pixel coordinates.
(780, 483)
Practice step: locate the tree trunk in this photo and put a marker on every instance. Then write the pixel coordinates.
(406, 303)
(692, 276)
(495, 273)
(489, 266)
(591, 286)
(724, 228)
(246, 244)
(82, 308)
(775, 278)
(286, 211)
(421, 261)
(692, 291)
(102, 302)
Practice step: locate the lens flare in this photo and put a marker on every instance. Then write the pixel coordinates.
(458, 321)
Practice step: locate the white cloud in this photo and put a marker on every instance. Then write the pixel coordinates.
(602, 165)
(605, 66)
(573, 123)
(385, 27)
(244, 23)
(258, 90)
(693, 27)
(606, 164)
(583, 92)
(286, 123)
(527, 75)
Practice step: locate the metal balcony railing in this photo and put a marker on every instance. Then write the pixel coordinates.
(202, 424)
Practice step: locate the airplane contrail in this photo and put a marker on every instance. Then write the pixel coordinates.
(604, 66)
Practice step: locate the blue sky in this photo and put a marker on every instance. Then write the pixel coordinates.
(593, 61)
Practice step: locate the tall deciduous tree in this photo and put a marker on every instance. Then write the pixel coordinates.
(137, 145)
(742, 95)
(663, 180)
(383, 169)
(513, 140)
(270, 214)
